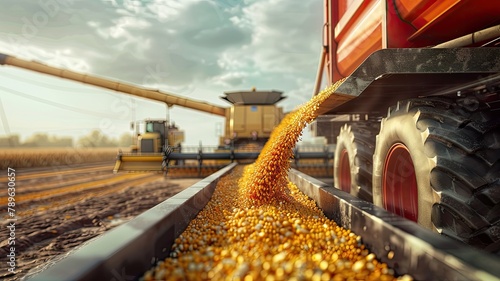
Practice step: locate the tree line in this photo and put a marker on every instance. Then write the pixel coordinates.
(93, 139)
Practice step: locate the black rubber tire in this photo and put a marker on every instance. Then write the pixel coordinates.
(358, 139)
(456, 155)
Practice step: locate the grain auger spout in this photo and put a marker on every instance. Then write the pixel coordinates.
(152, 94)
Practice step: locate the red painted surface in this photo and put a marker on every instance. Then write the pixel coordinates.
(399, 184)
(357, 28)
(345, 172)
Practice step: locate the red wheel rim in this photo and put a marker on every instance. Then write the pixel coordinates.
(345, 172)
(399, 184)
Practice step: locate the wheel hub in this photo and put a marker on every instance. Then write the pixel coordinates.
(399, 184)
(345, 172)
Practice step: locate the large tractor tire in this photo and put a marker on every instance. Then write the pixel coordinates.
(438, 163)
(352, 168)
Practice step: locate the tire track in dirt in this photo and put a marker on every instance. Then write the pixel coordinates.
(58, 220)
(25, 198)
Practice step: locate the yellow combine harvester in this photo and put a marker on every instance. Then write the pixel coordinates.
(152, 137)
(249, 123)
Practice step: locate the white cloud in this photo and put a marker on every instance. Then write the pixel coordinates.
(301, 94)
(57, 57)
(282, 40)
(124, 23)
(230, 79)
(283, 51)
(165, 10)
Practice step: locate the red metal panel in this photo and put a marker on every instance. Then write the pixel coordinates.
(342, 7)
(347, 19)
(439, 21)
(398, 29)
(360, 37)
(409, 10)
(432, 12)
(356, 28)
(331, 21)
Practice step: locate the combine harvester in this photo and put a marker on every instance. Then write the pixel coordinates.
(249, 122)
(435, 68)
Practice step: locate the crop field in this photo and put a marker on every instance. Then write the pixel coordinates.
(50, 157)
(64, 197)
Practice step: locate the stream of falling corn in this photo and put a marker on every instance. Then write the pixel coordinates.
(260, 226)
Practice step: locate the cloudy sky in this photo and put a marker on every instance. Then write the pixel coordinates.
(193, 48)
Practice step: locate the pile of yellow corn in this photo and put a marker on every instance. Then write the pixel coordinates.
(286, 240)
(259, 226)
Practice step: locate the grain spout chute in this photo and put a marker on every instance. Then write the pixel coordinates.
(157, 95)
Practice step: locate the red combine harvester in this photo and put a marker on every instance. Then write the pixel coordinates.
(416, 122)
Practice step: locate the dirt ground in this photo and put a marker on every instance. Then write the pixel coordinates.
(42, 236)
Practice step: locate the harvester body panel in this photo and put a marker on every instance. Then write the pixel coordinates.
(252, 121)
(356, 29)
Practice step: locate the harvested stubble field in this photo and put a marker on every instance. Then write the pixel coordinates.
(67, 201)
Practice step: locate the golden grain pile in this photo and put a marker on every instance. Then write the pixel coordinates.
(259, 226)
(290, 240)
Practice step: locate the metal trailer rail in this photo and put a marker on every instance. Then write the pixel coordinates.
(161, 161)
(127, 251)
